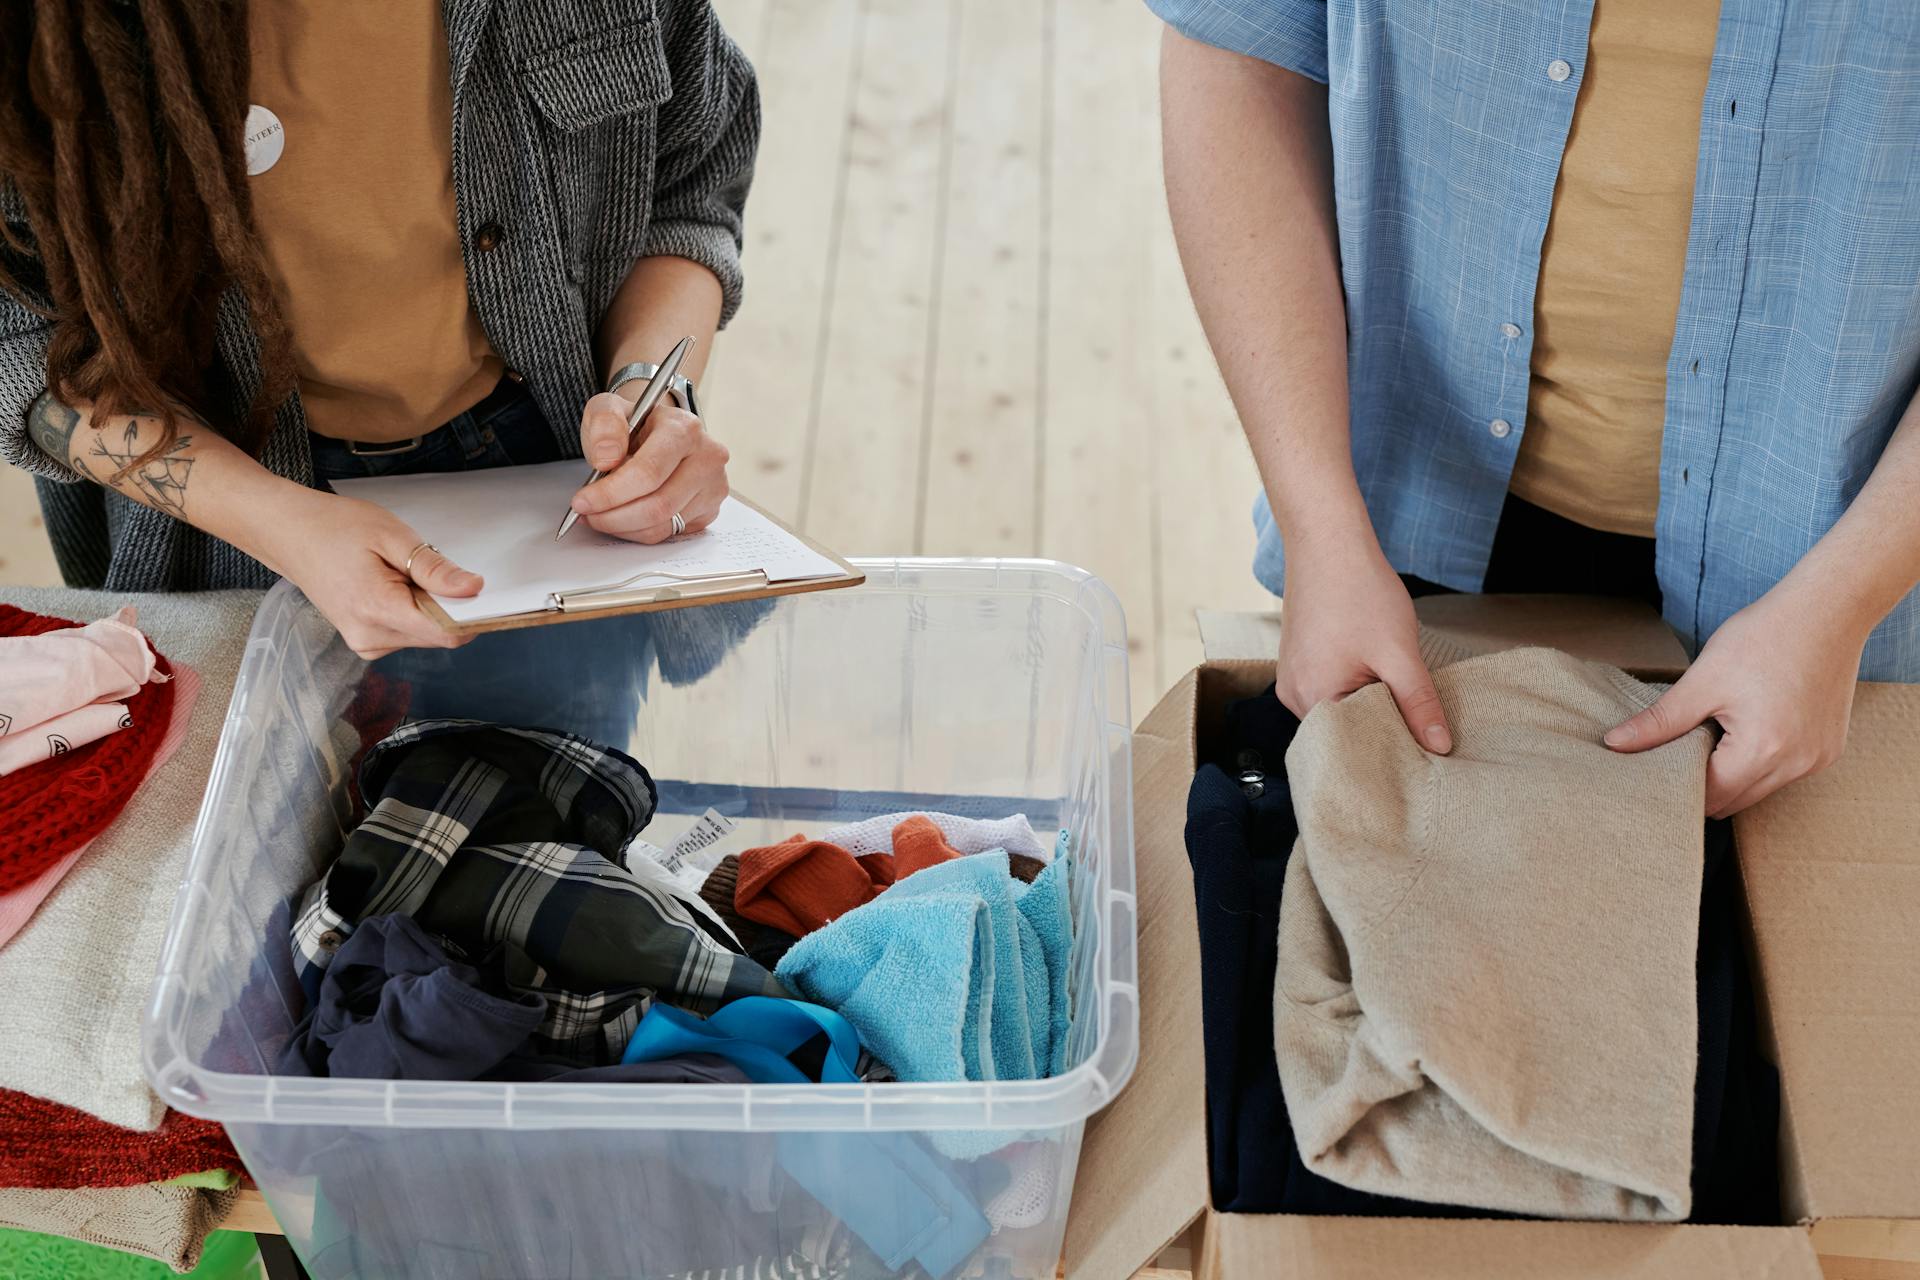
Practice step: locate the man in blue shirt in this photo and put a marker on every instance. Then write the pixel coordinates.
(1593, 296)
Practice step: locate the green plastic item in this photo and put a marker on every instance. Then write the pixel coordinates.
(28, 1255)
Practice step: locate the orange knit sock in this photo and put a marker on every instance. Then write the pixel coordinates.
(800, 884)
(917, 845)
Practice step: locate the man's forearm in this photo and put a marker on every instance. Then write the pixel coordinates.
(198, 476)
(1249, 177)
(1870, 560)
(662, 300)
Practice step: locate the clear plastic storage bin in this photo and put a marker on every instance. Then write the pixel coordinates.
(977, 687)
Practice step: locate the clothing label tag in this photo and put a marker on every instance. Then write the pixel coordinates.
(711, 829)
(653, 852)
(266, 139)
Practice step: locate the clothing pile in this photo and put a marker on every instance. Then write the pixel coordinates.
(1509, 980)
(104, 749)
(495, 916)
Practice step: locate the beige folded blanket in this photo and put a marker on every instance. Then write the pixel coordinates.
(1485, 992)
(158, 1220)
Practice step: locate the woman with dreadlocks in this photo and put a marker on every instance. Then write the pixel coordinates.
(248, 248)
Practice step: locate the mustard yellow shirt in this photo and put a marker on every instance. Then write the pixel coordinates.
(1611, 267)
(356, 213)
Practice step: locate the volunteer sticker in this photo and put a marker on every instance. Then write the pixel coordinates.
(266, 139)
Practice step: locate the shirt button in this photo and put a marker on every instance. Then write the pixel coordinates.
(1510, 330)
(331, 940)
(1559, 69)
(1499, 427)
(488, 237)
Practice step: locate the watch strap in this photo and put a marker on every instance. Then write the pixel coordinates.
(681, 388)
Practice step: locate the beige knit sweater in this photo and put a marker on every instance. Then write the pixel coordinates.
(1486, 960)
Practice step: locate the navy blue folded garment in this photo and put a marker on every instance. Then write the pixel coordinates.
(394, 1006)
(1240, 834)
(1736, 1092)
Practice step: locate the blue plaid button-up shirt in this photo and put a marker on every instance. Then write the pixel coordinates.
(1797, 346)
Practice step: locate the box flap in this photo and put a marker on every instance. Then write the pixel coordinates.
(1143, 1161)
(1288, 1248)
(1832, 872)
(1625, 633)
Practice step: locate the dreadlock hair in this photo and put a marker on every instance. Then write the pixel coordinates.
(121, 130)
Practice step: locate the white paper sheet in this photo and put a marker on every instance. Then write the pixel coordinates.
(499, 523)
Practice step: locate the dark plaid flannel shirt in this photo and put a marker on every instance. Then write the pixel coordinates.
(510, 845)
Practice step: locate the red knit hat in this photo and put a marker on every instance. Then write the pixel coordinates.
(49, 809)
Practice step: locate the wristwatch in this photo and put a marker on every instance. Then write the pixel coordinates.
(681, 387)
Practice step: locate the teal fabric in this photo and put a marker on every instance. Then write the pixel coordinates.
(756, 1034)
(1048, 907)
(905, 1203)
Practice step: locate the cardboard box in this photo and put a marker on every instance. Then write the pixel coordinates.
(1831, 868)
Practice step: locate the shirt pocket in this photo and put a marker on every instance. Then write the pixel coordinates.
(597, 98)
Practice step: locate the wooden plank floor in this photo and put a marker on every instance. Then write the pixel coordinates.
(965, 330)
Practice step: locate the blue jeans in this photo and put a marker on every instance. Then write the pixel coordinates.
(506, 429)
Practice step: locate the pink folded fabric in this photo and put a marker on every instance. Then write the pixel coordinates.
(18, 905)
(56, 737)
(46, 676)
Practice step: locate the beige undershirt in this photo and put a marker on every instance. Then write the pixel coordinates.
(1612, 264)
(357, 216)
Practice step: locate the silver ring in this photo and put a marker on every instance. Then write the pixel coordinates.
(425, 546)
(679, 525)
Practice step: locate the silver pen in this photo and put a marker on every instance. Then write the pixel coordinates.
(656, 387)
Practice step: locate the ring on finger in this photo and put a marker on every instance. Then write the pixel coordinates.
(424, 546)
(679, 525)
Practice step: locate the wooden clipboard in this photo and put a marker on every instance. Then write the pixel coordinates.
(684, 594)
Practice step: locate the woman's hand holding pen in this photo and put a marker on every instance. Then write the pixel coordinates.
(675, 468)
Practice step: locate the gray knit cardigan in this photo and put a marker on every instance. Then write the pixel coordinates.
(588, 133)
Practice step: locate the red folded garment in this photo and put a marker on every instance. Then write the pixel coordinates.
(46, 1145)
(48, 810)
(799, 885)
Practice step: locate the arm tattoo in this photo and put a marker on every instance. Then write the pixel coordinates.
(52, 424)
(159, 481)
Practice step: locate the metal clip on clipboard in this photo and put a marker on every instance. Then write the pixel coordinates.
(680, 587)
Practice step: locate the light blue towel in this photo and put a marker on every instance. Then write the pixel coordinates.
(1048, 907)
(1008, 969)
(958, 972)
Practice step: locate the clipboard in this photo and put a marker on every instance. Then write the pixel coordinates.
(684, 592)
(498, 522)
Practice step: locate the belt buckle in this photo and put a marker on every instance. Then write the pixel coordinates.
(365, 449)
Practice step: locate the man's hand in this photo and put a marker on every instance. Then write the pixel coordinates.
(675, 468)
(1348, 622)
(1778, 677)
